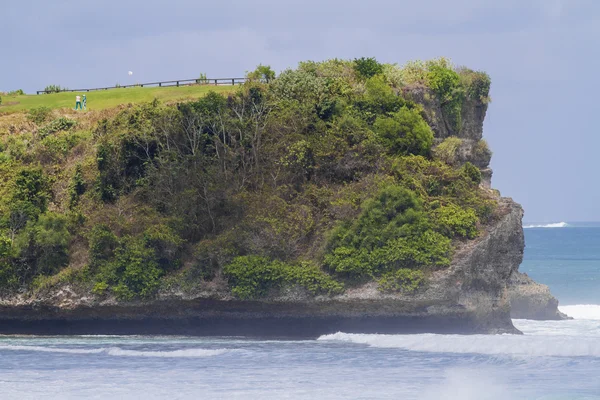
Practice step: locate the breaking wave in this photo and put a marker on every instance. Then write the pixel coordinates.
(582, 311)
(118, 352)
(554, 225)
(513, 345)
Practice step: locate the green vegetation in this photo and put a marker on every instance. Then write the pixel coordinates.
(447, 150)
(54, 89)
(320, 179)
(253, 277)
(104, 99)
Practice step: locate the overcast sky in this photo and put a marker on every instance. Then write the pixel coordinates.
(542, 56)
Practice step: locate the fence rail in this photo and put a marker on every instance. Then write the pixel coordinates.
(180, 82)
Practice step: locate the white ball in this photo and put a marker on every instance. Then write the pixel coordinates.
(130, 73)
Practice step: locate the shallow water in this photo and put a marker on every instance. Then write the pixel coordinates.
(553, 360)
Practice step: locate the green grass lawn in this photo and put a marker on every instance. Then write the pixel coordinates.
(103, 99)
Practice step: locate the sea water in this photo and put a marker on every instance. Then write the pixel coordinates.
(553, 360)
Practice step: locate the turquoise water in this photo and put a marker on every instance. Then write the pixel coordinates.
(566, 259)
(553, 360)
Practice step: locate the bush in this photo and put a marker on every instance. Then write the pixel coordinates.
(402, 280)
(252, 277)
(18, 92)
(262, 73)
(59, 124)
(132, 272)
(476, 84)
(166, 244)
(54, 89)
(300, 86)
(447, 150)
(76, 186)
(103, 243)
(455, 221)
(367, 67)
(391, 232)
(8, 277)
(44, 243)
(39, 115)
(406, 132)
(471, 172)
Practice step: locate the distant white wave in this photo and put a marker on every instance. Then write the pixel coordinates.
(116, 351)
(184, 353)
(554, 225)
(582, 311)
(514, 345)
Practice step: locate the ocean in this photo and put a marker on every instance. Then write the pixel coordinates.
(553, 360)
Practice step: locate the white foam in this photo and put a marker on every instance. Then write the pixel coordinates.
(516, 345)
(554, 225)
(50, 349)
(582, 311)
(184, 353)
(118, 352)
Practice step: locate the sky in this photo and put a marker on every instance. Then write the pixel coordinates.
(542, 55)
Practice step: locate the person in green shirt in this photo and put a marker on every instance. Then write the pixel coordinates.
(84, 102)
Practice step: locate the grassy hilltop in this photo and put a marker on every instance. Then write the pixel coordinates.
(104, 99)
(325, 178)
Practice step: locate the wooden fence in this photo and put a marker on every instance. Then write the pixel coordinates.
(180, 82)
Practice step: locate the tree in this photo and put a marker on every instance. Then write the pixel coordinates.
(261, 73)
(406, 132)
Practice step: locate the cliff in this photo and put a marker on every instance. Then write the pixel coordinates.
(342, 196)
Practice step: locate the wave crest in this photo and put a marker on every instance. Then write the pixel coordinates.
(553, 225)
(514, 345)
(118, 352)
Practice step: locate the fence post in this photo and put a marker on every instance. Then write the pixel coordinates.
(177, 83)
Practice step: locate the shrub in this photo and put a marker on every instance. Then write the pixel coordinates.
(406, 132)
(103, 243)
(482, 153)
(300, 86)
(472, 172)
(8, 277)
(476, 84)
(76, 186)
(455, 221)
(54, 89)
(253, 277)
(402, 280)
(261, 73)
(166, 244)
(447, 150)
(44, 244)
(391, 232)
(59, 124)
(132, 272)
(18, 92)
(367, 67)
(39, 115)
(393, 75)
(0, 100)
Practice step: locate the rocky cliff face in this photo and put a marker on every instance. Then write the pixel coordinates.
(528, 299)
(531, 300)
